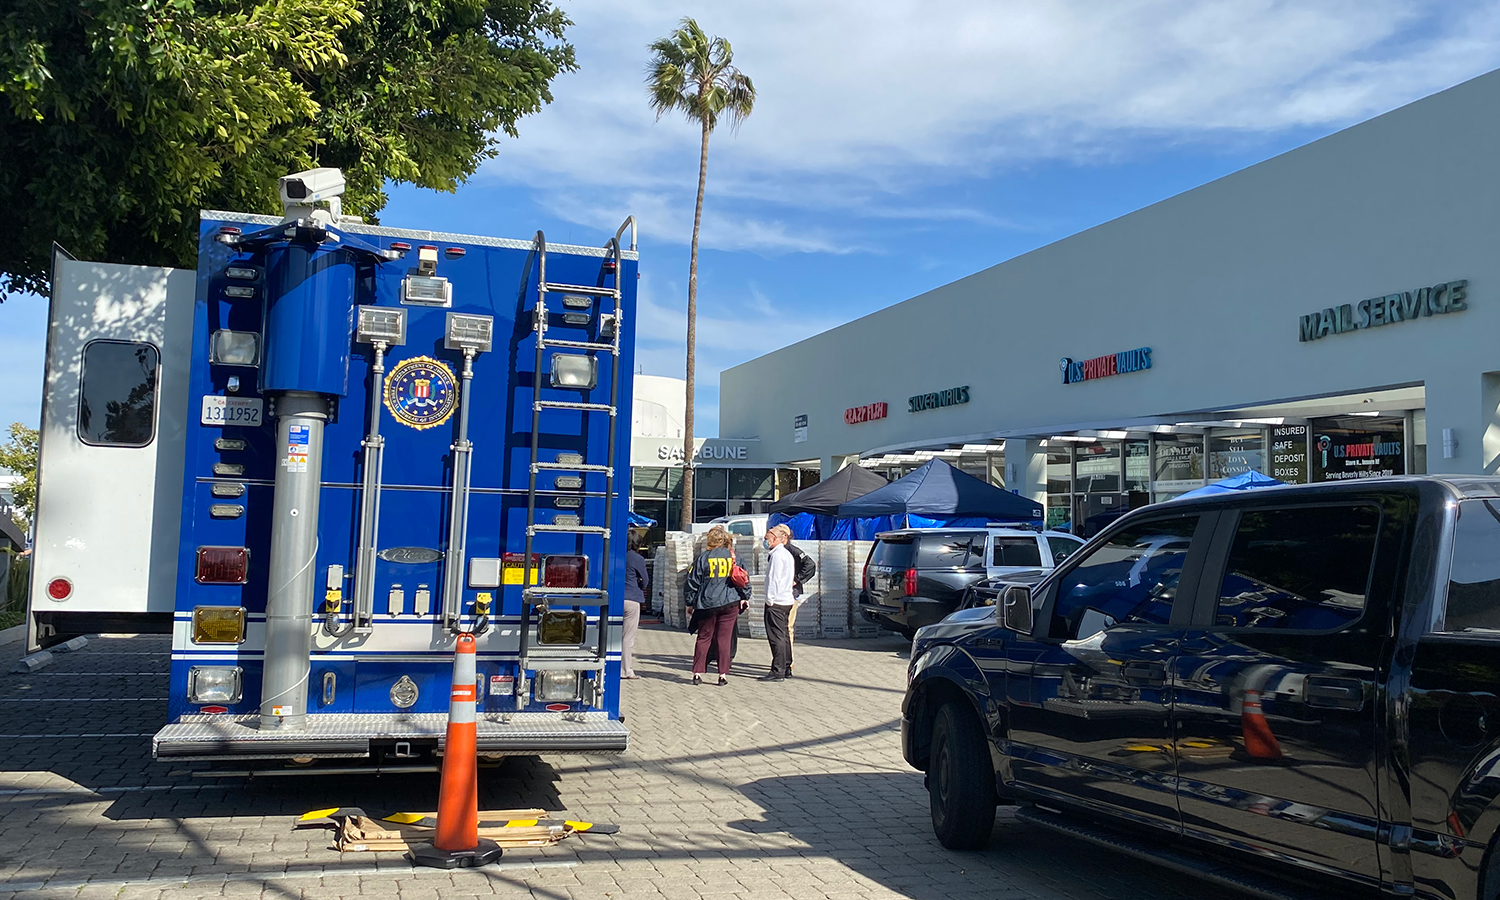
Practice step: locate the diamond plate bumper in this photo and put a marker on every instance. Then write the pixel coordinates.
(349, 735)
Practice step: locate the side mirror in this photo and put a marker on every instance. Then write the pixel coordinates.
(1015, 609)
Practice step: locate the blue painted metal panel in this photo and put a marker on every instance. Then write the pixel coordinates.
(487, 280)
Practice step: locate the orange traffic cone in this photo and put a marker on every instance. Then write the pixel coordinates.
(1260, 743)
(456, 843)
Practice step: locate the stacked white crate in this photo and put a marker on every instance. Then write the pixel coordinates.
(678, 554)
(833, 573)
(809, 620)
(859, 626)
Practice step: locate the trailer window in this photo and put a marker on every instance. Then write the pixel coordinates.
(1474, 579)
(1302, 569)
(117, 394)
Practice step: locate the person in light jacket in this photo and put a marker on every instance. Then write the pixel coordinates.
(637, 586)
(716, 602)
(780, 572)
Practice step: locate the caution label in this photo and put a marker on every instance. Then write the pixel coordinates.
(297, 441)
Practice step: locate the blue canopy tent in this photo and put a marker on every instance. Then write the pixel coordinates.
(812, 513)
(935, 495)
(1244, 482)
(640, 521)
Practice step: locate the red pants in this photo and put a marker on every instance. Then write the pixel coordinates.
(715, 626)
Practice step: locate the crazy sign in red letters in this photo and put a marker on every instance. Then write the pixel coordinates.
(867, 413)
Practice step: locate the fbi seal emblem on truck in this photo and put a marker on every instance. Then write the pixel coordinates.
(420, 392)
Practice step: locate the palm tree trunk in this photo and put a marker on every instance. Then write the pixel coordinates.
(692, 342)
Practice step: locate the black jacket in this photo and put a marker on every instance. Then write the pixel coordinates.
(708, 584)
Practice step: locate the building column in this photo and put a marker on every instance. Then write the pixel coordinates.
(832, 464)
(1026, 468)
(1464, 407)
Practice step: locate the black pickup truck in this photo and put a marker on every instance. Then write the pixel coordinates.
(1302, 679)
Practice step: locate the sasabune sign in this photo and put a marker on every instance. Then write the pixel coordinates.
(1074, 371)
(867, 413)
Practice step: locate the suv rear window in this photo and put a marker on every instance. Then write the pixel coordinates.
(1017, 551)
(1474, 579)
(946, 551)
(896, 554)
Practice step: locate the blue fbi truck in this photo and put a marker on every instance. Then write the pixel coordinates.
(386, 438)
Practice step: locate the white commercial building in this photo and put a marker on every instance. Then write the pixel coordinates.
(1330, 313)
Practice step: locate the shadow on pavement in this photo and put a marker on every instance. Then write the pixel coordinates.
(878, 825)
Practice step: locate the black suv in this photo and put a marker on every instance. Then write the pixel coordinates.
(1306, 678)
(916, 576)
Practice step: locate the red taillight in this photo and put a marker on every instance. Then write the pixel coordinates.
(59, 589)
(911, 582)
(223, 565)
(454, 252)
(565, 571)
(228, 229)
(400, 246)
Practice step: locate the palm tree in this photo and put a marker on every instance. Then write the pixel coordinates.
(694, 73)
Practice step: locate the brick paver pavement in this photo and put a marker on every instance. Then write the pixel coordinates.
(751, 791)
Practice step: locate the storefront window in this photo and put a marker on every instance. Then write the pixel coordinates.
(1178, 466)
(752, 484)
(1232, 453)
(1058, 509)
(1096, 468)
(1059, 470)
(1353, 447)
(710, 484)
(709, 510)
(1137, 465)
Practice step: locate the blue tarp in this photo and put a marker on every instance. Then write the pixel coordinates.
(638, 520)
(1245, 482)
(813, 527)
(939, 493)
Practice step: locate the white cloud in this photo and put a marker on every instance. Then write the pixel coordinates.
(861, 102)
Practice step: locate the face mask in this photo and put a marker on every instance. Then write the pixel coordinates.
(765, 542)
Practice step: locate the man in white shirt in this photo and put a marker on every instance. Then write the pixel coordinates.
(780, 570)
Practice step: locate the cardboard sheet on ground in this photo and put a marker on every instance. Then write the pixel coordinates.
(355, 830)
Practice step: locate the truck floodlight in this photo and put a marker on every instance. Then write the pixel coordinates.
(568, 502)
(565, 521)
(557, 685)
(215, 684)
(378, 323)
(560, 627)
(577, 301)
(426, 290)
(239, 292)
(228, 491)
(574, 370)
(234, 348)
(466, 332)
(218, 624)
(568, 482)
(229, 470)
(222, 565)
(226, 511)
(573, 318)
(570, 459)
(59, 589)
(242, 273)
(229, 444)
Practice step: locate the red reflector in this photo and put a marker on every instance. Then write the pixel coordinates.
(402, 246)
(59, 589)
(609, 265)
(565, 571)
(454, 252)
(428, 247)
(911, 582)
(228, 229)
(558, 707)
(223, 565)
(213, 710)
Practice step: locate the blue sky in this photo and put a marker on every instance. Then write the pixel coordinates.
(896, 146)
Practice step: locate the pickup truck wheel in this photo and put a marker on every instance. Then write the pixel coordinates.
(960, 781)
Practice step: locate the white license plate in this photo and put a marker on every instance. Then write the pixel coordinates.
(218, 410)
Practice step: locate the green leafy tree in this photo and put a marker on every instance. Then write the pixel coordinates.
(120, 119)
(19, 456)
(694, 74)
